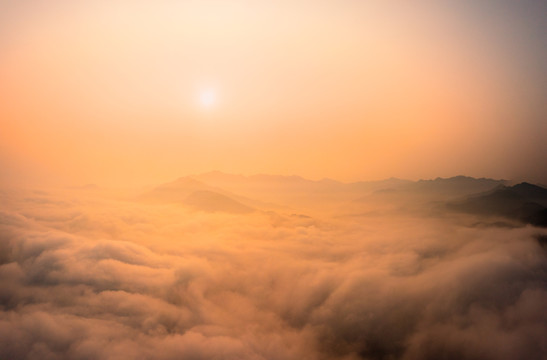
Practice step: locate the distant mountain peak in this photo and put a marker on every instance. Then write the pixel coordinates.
(524, 202)
(186, 181)
(527, 185)
(210, 201)
(530, 191)
(461, 178)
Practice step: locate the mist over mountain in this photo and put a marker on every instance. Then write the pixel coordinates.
(217, 191)
(214, 202)
(454, 186)
(524, 202)
(295, 191)
(117, 244)
(178, 190)
(389, 269)
(187, 191)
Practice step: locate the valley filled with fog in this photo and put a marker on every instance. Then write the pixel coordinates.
(219, 266)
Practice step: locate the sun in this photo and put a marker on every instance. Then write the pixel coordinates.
(207, 98)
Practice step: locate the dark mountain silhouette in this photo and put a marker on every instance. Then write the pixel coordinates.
(453, 186)
(531, 192)
(419, 196)
(437, 189)
(523, 202)
(217, 191)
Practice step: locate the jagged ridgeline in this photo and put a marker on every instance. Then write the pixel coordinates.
(226, 193)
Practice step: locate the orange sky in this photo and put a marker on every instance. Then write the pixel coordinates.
(109, 91)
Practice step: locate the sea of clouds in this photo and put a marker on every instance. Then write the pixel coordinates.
(90, 277)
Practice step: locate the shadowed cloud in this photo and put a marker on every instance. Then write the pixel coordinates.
(162, 281)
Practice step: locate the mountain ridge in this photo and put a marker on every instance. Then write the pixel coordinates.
(523, 202)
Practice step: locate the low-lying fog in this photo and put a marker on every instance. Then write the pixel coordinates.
(88, 275)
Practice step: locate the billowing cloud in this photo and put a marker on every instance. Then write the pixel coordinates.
(91, 278)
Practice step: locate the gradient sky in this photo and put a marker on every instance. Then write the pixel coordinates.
(112, 92)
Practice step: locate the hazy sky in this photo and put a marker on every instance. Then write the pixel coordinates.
(137, 92)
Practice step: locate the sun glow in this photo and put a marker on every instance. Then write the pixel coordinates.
(207, 98)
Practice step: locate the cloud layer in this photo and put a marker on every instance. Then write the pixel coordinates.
(90, 278)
